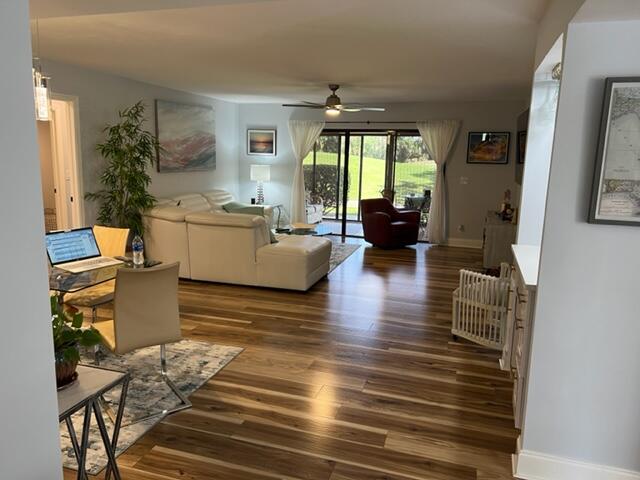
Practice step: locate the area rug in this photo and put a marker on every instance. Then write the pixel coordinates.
(339, 253)
(189, 364)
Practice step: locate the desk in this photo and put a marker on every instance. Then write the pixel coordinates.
(63, 281)
(84, 394)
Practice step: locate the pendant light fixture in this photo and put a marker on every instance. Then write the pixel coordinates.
(40, 84)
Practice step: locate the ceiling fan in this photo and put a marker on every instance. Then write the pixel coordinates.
(334, 106)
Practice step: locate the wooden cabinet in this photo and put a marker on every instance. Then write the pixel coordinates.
(515, 354)
(497, 238)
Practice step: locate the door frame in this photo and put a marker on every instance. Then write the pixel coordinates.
(344, 158)
(65, 144)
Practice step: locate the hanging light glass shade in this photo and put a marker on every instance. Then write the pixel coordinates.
(41, 95)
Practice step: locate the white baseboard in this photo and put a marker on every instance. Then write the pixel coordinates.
(464, 242)
(528, 465)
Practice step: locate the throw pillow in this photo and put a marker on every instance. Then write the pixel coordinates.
(244, 208)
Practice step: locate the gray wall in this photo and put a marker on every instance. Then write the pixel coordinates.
(584, 388)
(29, 443)
(102, 95)
(468, 204)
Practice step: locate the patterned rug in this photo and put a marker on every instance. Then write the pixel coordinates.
(189, 364)
(339, 253)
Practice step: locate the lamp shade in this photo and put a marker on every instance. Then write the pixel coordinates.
(260, 173)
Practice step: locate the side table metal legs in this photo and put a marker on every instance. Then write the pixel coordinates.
(110, 445)
(80, 450)
(116, 430)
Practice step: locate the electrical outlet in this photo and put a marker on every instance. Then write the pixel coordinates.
(461, 228)
(464, 180)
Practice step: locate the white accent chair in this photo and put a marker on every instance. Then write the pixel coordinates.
(314, 212)
(480, 306)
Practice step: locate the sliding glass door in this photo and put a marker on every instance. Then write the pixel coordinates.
(346, 166)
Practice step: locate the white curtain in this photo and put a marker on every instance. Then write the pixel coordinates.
(303, 134)
(438, 136)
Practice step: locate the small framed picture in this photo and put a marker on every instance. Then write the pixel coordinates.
(615, 195)
(489, 148)
(261, 142)
(522, 145)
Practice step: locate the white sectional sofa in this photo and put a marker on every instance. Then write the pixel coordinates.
(217, 246)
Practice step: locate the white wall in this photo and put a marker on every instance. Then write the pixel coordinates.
(29, 443)
(584, 388)
(468, 204)
(102, 95)
(540, 133)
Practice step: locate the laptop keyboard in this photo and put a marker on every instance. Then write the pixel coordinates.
(89, 264)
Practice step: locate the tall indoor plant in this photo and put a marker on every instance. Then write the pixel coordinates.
(129, 150)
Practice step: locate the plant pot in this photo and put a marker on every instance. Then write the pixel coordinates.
(65, 371)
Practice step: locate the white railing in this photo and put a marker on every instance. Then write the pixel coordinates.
(480, 307)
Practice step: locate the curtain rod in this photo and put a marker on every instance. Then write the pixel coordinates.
(369, 122)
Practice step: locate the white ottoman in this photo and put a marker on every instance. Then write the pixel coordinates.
(296, 262)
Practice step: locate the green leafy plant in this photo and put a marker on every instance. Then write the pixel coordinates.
(321, 183)
(129, 150)
(68, 334)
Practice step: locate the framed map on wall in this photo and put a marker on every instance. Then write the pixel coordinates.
(615, 197)
(187, 137)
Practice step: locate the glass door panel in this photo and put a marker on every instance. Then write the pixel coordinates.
(414, 177)
(372, 166)
(324, 178)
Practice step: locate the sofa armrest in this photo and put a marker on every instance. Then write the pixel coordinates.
(168, 212)
(411, 216)
(223, 219)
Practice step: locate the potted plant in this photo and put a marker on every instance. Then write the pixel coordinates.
(68, 335)
(129, 150)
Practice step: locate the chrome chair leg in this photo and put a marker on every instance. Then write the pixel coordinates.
(184, 402)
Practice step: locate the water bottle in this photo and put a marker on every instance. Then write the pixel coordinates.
(138, 251)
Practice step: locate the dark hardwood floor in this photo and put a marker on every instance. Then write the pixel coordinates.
(357, 379)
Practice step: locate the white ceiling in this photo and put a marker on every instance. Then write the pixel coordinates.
(273, 50)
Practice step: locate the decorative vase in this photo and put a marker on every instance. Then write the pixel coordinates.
(65, 371)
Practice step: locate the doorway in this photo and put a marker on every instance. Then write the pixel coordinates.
(377, 160)
(60, 166)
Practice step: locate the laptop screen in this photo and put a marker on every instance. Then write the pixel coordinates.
(72, 245)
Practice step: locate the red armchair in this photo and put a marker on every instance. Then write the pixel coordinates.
(387, 227)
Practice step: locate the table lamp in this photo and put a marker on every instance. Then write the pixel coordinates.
(260, 174)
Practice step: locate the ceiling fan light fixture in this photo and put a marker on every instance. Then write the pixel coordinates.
(333, 111)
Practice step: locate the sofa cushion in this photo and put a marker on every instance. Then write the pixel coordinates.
(245, 209)
(315, 251)
(296, 262)
(194, 202)
(217, 198)
(225, 219)
(168, 212)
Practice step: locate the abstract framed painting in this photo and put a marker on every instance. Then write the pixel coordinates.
(187, 138)
(261, 142)
(615, 194)
(488, 148)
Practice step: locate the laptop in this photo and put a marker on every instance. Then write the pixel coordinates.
(76, 251)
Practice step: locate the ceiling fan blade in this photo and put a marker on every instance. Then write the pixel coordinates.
(301, 105)
(359, 107)
(314, 104)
